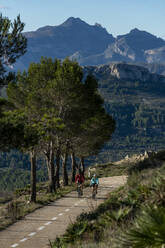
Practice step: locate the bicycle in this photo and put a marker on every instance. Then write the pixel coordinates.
(79, 190)
(94, 191)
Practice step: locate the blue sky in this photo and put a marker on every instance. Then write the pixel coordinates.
(117, 16)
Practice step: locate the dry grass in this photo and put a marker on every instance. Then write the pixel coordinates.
(19, 205)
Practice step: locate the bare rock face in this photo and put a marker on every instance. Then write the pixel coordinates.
(124, 71)
(157, 54)
(131, 72)
(149, 156)
(118, 51)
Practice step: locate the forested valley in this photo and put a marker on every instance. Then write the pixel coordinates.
(138, 109)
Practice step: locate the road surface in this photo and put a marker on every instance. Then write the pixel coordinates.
(37, 228)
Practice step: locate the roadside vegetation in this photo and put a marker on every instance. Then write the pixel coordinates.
(132, 216)
(17, 205)
(112, 169)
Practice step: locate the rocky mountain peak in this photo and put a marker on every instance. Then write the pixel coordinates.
(69, 23)
(135, 31)
(141, 33)
(125, 71)
(139, 41)
(73, 21)
(98, 25)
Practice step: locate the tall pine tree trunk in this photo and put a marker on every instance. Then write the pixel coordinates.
(74, 166)
(51, 170)
(58, 168)
(33, 176)
(64, 169)
(82, 165)
(52, 184)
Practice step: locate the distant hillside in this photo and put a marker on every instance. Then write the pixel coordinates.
(155, 67)
(91, 45)
(15, 170)
(135, 98)
(125, 71)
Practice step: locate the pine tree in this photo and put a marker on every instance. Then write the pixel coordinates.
(12, 46)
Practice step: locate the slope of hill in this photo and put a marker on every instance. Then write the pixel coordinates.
(15, 170)
(158, 68)
(133, 216)
(135, 98)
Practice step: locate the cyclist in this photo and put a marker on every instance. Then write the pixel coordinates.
(94, 183)
(79, 179)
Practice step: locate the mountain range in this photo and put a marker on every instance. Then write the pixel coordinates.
(92, 45)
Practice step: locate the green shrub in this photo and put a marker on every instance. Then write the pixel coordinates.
(148, 231)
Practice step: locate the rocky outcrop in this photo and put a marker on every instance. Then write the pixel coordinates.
(131, 72)
(124, 71)
(149, 157)
(120, 48)
(157, 54)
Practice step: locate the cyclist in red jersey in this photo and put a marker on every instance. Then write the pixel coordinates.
(79, 179)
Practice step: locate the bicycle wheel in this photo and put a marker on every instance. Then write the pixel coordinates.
(79, 190)
(94, 192)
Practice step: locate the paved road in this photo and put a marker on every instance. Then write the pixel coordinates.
(37, 228)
